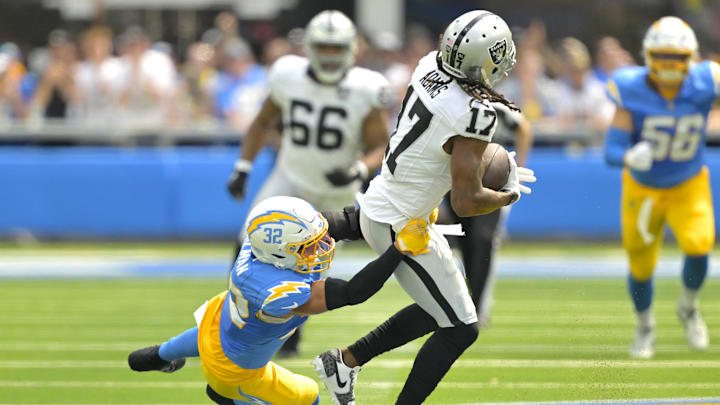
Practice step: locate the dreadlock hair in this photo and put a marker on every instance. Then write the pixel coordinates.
(475, 88)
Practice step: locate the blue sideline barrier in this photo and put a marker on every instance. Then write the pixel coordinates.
(86, 192)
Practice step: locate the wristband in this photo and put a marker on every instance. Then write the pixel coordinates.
(362, 170)
(242, 165)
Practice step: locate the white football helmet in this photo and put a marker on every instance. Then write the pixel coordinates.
(669, 48)
(330, 28)
(289, 233)
(478, 46)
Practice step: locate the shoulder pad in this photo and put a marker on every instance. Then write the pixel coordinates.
(282, 297)
(715, 72)
(286, 68)
(626, 85)
(285, 63)
(373, 84)
(478, 120)
(706, 81)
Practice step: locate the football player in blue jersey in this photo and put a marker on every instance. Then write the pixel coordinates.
(658, 136)
(275, 284)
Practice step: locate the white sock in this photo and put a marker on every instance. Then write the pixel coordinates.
(646, 319)
(689, 298)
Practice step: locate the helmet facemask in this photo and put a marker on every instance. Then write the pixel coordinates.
(330, 61)
(314, 255)
(668, 66)
(493, 74)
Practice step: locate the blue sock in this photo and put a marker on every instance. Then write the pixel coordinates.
(182, 345)
(641, 293)
(694, 271)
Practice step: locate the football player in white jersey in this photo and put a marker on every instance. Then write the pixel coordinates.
(443, 129)
(334, 122)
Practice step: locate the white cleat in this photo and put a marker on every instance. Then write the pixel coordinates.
(644, 345)
(338, 378)
(696, 330)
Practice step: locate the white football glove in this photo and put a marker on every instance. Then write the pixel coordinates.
(517, 176)
(640, 156)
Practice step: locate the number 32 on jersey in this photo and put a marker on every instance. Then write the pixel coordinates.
(687, 129)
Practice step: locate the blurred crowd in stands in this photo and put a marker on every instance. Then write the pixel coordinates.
(104, 79)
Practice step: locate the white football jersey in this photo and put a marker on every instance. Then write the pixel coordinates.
(322, 124)
(416, 170)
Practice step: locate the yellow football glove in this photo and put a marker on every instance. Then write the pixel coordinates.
(434, 215)
(413, 238)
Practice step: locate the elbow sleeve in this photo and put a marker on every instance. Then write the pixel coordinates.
(616, 143)
(345, 224)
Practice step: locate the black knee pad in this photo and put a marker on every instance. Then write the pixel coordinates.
(217, 398)
(345, 224)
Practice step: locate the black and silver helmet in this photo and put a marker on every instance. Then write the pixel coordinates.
(478, 46)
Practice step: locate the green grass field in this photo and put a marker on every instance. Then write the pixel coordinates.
(66, 342)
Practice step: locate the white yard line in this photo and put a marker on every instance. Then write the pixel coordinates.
(589, 402)
(661, 401)
(626, 321)
(550, 385)
(14, 346)
(117, 264)
(407, 363)
(101, 384)
(372, 385)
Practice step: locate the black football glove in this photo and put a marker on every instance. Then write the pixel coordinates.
(344, 176)
(236, 182)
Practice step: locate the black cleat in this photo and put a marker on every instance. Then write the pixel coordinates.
(148, 359)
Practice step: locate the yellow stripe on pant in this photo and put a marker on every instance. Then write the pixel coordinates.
(686, 208)
(272, 383)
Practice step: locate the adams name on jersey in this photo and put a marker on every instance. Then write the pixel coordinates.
(322, 124)
(416, 171)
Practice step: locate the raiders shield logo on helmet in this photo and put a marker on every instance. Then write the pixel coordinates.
(498, 51)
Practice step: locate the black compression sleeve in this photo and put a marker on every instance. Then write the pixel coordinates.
(405, 326)
(339, 293)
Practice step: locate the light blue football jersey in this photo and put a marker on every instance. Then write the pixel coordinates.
(255, 319)
(676, 127)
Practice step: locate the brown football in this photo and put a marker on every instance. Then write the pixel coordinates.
(497, 166)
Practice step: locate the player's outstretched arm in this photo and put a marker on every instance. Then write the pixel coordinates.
(468, 197)
(251, 145)
(332, 293)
